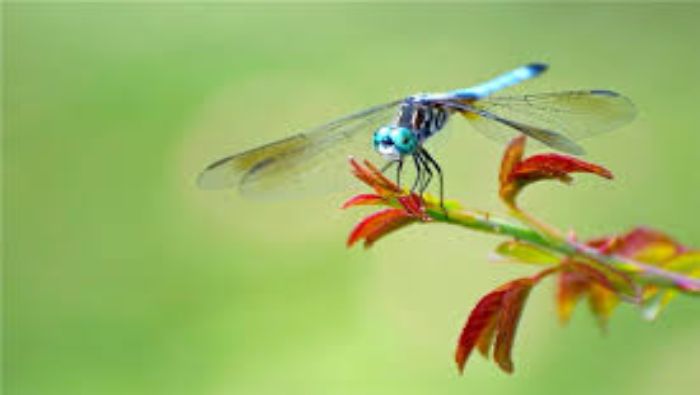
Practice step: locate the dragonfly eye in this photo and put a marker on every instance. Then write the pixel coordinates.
(385, 144)
(404, 140)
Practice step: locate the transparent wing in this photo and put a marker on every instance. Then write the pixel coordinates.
(311, 162)
(555, 119)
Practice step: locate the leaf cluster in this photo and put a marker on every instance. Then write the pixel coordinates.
(643, 267)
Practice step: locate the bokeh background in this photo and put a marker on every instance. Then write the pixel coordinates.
(120, 277)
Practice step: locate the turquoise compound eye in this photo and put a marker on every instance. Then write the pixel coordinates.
(384, 144)
(404, 140)
(380, 137)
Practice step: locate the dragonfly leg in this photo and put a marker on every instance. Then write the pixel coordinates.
(398, 172)
(419, 173)
(387, 166)
(428, 172)
(437, 167)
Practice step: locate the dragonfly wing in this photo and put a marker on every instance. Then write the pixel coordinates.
(503, 130)
(574, 115)
(309, 162)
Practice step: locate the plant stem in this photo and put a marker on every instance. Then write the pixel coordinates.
(555, 243)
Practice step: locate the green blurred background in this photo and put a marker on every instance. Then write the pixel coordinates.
(120, 277)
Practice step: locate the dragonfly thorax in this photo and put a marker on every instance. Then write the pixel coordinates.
(422, 117)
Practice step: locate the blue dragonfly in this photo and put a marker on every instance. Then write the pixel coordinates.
(402, 127)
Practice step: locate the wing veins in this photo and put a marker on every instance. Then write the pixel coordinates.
(548, 137)
(302, 152)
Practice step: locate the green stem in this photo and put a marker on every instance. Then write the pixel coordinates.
(498, 226)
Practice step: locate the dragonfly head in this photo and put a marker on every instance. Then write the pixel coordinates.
(393, 142)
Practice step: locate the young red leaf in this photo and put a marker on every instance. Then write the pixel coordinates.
(516, 173)
(636, 242)
(513, 302)
(572, 286)
(373, 177)
(379, 224)
(602, 302)
(511, 157)
(414, 205)
(482, 319)
(553, 166)
(641, 237)
(649, 245)
(608, 278)
(365, 199)
(383, 222)
(483, 343)
(496, 315)
(361, 173)
(599, 275)
(602, 285)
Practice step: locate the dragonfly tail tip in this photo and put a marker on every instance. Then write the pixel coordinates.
(537, 68)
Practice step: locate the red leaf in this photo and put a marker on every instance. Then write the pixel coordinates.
(571, 287)
(513, 302)
(365, 199)
(379, 224)
(511, 157)
(516, 173)
(601, 283)
(414, 205)
(639, 239)
(483, 343)
(602, 302)
(586, 272)
(373, 177)
(361, 173)
(651, 247)
(553, 166)
(373, 227)
(496, 315)
(604, 244)
(483, 316)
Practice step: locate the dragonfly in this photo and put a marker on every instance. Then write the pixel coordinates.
(398, 132)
